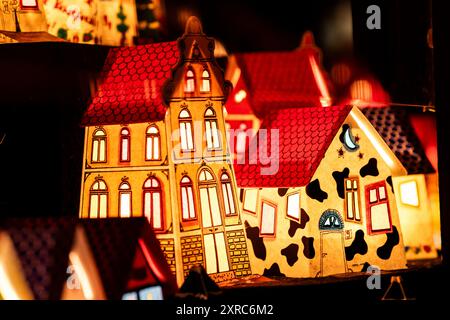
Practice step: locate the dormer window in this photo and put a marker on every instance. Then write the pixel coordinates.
(28, 4)
(206, 82)
(190, 81)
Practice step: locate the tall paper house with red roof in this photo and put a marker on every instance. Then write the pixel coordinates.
(316, 193)
(263, 81)
(155, 146)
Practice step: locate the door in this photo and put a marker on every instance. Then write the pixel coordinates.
(215, 250)
(332, 258)
(332, 253)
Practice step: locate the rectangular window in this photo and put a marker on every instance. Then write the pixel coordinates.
(409, 194)
(187, 143)
(125, 204)
(378, 212)
(353, 212)
(28, 4)
(212, 134)
(187, 204)
(125, 152)
(228, 199)
(293, 206)
(268, 219)
(250, 200)
(152, 148)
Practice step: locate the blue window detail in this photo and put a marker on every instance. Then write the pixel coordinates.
(331, 220)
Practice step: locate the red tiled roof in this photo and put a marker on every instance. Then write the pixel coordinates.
(304, 136)
(131, 90)
(284, 79)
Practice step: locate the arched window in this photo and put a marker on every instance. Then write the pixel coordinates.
(331, 220)
(209, 200)
(99, 146)
(153, 204)
(206, 82)
(153, 144)
(187, 199)
(187, 141)
(98, 200)
(125, 200)
(125, 145)
(212, 133)
(228, 198)
(190, 81)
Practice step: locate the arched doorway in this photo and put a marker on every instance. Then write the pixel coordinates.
(332, 249)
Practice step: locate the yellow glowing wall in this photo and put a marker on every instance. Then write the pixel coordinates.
(415, 213)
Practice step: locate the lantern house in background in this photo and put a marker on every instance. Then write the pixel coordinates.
(105, 22)
(155, 146)
(324, 204)
(417, 192)
(273, 80)
(24, 21)
(72, 259)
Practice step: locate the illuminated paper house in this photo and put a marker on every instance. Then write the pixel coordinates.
(24, 21)
(415, 192)
(317, 196)
(64, 258)
(106, 22)
(271, 80)
(155, 147)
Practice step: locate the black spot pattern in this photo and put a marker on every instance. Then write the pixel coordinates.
(370, 169)
(365, 267)
(314, 192)
(294, 225)
(282, 191)
(339, 178)
(308, 247)
(291, 253)
(259, 247)
(358, 245)
(274, 271)
(389, 182)
(393, 239)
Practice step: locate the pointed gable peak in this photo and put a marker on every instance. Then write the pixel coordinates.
(307, 40)
(193, 26)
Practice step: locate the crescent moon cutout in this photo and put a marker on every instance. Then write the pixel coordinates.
(347, 139)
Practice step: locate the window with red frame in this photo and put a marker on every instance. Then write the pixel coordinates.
(153, 204)
(187, 199)
(378, 212)
(98, 152)
(125, 145)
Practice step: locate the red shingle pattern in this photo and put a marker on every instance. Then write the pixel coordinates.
(280, 79)
(131, 90)
(304, 136)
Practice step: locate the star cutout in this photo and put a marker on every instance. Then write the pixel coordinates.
(357, 138)
(360, 155)
(340, 152)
